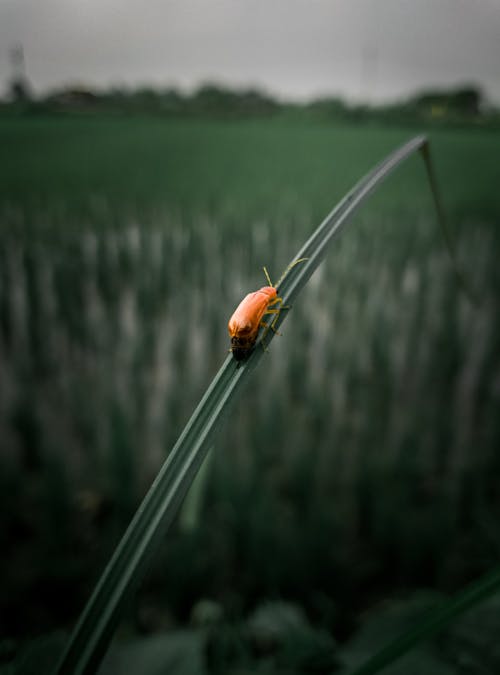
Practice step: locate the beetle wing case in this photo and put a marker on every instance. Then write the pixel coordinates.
(244, 324)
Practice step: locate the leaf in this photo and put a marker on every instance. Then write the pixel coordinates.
(180, 652)
(130, 560)
(434, 622)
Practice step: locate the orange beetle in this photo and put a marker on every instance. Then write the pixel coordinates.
(244, 324)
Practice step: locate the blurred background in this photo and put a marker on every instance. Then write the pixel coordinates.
(155, 156)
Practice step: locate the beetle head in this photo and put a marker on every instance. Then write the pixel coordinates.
(241, 348)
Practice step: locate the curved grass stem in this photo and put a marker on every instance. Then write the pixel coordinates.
(130, 560)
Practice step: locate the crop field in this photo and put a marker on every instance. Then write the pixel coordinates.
(362, 461)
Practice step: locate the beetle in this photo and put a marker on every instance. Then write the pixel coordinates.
(244, 324)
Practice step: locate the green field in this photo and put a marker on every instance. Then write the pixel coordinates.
(364, 452)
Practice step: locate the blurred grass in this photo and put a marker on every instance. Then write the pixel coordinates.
(196, 166)
(369, 466)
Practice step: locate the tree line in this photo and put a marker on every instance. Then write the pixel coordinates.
(463, 105)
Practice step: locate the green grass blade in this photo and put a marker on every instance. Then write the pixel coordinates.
(130, 560)
(480, 590)
(314, 249)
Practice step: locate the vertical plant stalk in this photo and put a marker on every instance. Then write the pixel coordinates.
(130, 560)
(447, 236)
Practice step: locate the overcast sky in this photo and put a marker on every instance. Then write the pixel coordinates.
(362, 49)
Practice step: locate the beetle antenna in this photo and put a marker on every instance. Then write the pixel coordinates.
(292, 264)
(268, 277)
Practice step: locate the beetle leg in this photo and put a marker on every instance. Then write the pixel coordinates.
(272, 325)
(269, 326)
(276, 309)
